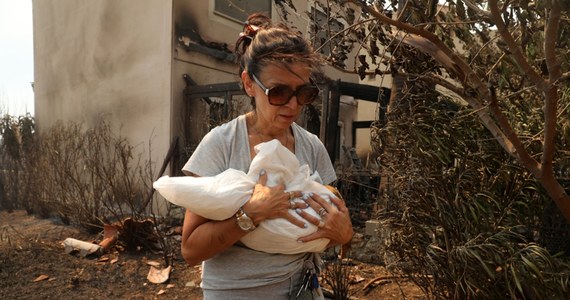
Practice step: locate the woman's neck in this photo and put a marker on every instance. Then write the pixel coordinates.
(260, 133)
(265, 131)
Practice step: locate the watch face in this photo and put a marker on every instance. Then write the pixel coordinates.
(245, 223)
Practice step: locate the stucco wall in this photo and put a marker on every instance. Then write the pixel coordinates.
(122, 59)
(105, 57)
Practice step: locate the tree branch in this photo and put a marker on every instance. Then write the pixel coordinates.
(520, 151)
(369, 73)
(436, 79)
(505, 6)
(550, 37)
(462, 70)
(514, 48)
(506, 141)
(429, 43)
(551, 94)
(476, 8)
(342, 32)
(481, 49)
(403, 10)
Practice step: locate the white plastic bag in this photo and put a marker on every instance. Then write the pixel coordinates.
(219, 197)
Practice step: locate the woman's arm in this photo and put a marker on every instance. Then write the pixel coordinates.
(203, 238)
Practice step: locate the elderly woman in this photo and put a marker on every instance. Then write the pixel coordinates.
(276, 66)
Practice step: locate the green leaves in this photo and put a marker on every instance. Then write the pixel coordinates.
(467, 212)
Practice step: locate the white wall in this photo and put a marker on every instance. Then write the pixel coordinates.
(121, 59)
(105, 57)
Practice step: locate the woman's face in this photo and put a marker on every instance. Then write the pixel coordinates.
(294, 75)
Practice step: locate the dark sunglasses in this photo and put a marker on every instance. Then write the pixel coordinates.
(280, 95)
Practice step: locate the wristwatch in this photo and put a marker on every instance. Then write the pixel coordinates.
(244, 221)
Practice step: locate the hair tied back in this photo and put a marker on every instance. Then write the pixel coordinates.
(249, 31)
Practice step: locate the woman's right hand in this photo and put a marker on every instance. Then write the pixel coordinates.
(334, 222)
(272, 202)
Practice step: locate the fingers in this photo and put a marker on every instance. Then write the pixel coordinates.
(321, 224)
(334, 222)
(310, 218)
(323, 209)
(262, 178)
(319, 204)
(295, 194)
(340, 205)
(295, 221)
(321, 201)
(322, 212)
(294, 204)
(297, 206)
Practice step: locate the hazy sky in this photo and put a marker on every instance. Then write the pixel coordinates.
(16, 57)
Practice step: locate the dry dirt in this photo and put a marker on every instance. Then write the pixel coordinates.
(34, 265)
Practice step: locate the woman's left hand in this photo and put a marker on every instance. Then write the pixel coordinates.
(335, 220)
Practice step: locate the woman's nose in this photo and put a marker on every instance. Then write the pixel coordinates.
(293, 103)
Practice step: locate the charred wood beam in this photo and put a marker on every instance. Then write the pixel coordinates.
(331, 131)
(365, 92)
(191, 83)
(215, 53)
(359, 125)
(213, 90)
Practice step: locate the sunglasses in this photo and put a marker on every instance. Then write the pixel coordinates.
(280, 95)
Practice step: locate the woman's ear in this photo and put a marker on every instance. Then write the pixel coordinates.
(247, 83)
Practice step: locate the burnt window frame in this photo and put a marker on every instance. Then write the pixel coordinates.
(239, 14)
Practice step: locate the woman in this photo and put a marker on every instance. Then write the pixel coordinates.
(275, 67)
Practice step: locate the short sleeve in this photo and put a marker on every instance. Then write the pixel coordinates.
(208, 159)
(323, 163)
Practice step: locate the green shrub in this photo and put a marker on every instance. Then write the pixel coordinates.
(466, 219)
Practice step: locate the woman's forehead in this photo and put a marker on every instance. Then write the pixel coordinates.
(297, 69)
(292, 75)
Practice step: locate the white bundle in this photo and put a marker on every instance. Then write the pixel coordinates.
(219, 197)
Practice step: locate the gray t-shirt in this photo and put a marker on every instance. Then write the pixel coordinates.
(227, 146)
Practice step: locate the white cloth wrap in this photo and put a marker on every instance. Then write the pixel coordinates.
(219, 198)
